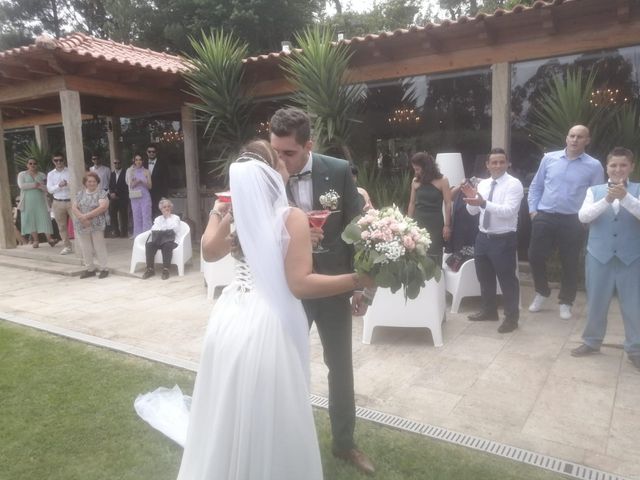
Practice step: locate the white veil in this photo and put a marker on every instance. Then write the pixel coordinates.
(260, 209)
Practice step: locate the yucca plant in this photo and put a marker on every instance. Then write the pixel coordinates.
(567, 103)
(41, 155)
(216, 78)
(319, 75)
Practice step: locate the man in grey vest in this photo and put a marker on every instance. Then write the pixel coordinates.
(612, 266)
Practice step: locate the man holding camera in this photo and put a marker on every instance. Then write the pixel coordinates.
(497, 200)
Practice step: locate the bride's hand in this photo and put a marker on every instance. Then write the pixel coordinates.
(316, 236)
(222, 207)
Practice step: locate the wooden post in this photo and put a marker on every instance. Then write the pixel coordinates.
(7, 237)
(42, 139)
(191, 167)
(501, 106)
(113, 137)
(72, 125)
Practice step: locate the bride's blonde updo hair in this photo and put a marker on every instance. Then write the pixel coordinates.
(260, 150)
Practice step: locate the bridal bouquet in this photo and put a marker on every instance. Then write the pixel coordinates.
(393, 249)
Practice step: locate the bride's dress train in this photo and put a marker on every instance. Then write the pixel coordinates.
(250, 416)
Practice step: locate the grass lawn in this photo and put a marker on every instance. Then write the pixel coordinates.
(66, 413)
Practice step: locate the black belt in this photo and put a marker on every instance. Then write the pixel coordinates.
(497, 235)
(62, 200)
(557, 213)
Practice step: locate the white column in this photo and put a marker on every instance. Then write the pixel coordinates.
(113, 138)
(191, 167)
(42, 139)
(501, 106)
(7, 237)
(72, 125)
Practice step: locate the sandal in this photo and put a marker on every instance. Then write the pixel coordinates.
(35, 245)
(52, 242)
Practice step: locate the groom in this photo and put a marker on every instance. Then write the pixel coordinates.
(312, 176)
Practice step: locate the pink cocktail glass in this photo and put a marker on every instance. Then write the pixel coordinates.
(317, 219)
(224, 197)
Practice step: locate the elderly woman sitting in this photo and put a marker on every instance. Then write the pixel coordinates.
(165, 229)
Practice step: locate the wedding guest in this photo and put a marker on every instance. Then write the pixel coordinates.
(363, 193)
(101, 170)
(464, 229)
(89, 209)
(15, 216)
(429, 192)
(139, 182)
(497, 201)
(58, 187)
(34, 211)
(555, 196)
(613, 255)
(164, 232)
(159, 170)
(119, 201)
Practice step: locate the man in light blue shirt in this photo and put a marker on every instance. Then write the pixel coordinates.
(555, 196)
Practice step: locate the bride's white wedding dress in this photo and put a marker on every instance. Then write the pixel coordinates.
(250, 416)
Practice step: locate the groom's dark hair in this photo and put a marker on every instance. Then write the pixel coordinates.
(291, 121)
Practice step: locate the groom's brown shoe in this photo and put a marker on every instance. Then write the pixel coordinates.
(358, 459)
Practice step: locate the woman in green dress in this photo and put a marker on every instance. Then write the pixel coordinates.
(429, 191)
(34, 212)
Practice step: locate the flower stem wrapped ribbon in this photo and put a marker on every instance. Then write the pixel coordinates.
(392, 249)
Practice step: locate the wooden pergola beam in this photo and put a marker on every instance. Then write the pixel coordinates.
(45, 119)
(32, 90)
(485, 32)
(106, 89)
(623, 11)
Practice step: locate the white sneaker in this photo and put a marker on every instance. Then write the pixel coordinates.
(538, 303)
(565, 311)
(66, 251)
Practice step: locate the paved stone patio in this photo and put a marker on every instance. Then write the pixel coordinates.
(523, 389)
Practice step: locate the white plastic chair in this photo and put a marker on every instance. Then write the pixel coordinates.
(217, 273)
(181, 254)
(391, 310)
(464, 282)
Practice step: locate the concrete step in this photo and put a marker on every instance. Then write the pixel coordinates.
(37, 265)
(44, 254)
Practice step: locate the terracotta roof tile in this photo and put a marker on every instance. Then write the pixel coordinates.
(85, 45)
(446, 23)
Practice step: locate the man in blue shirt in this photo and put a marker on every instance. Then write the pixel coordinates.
(555, 196)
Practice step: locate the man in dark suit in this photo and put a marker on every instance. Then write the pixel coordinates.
(119, 201)
(314, 176)
(497, 200)
(159, 178)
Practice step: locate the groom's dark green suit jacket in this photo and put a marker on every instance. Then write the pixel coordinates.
(328, 173)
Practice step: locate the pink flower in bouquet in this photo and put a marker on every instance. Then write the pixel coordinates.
(408, 242)
(365, 235)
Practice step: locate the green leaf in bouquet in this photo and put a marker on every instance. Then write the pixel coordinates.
(412, 290)
(378, 257)
(385, 278)
(351, 233)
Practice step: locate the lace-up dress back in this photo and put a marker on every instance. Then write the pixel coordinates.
(250, 417)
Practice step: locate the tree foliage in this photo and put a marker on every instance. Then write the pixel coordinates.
(457, 8)
(319, 76)
(386, 15)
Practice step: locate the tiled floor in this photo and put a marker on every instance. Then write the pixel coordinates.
(523, 388)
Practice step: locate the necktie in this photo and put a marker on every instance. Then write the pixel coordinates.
(487, 215)
(300, 176)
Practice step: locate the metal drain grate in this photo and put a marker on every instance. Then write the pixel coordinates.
(547, 462)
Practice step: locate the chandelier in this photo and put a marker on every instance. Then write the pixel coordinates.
(403, 116)
(607, 96)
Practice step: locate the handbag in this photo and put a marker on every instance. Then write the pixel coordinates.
(135, 193)
(160, 237)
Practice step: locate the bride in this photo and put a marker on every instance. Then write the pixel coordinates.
(250, 415)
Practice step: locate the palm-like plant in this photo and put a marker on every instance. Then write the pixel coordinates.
(567, 103)
(42, 156)
(216, 78)
(319, 75)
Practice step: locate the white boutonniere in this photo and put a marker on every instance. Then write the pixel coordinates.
(329, 200)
